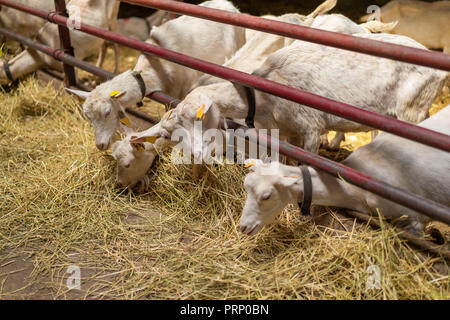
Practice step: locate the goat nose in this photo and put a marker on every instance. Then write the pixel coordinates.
(243, 229)
(127, 165)
(102, 145)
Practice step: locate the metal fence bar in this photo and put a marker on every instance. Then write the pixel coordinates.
(371, 119)
(70, 78)
(377, 48)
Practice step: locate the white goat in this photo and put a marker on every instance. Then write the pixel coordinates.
(341, 24)
(395, 89)
(250, 33)
(247, 59)
(200, 38)
(24, 23)
(419, 169)
(253, 54)
(140, 28)
(134, 27)
(135, 159)
(94, 12)
(255, 51)
(427, 23)
(307, 20)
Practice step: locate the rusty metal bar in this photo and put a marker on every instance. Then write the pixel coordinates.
(368, 118)
(70, 78)
(342, 41)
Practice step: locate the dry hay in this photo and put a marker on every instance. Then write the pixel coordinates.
(181, 240)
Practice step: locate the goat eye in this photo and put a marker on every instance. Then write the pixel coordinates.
(266, 196)
(107, 113)
(164, 134)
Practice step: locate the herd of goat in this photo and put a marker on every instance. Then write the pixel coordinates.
(384, 86)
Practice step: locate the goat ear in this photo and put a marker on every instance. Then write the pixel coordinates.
(205, 105)
(117, 94)
(288, 181)
(323, 8)
(82, 94)
(252, 164)
(375, 26)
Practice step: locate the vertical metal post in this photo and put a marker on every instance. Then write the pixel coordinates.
(64, 37)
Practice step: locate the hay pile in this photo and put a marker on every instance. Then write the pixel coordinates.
(181, 240)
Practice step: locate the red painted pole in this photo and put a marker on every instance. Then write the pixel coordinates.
(425, 206)
(377, 48)
(371, 119)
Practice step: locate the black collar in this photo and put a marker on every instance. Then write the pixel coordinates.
(7, 70)
(250, 120)
(307, 192)
(149, 27)
(142, 86)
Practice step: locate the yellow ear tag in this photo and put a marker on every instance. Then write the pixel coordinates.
(250, 164)
(126, 121)
(151, 140)
(114, 93)
(1, 52)
(201, 113)
(169, 114)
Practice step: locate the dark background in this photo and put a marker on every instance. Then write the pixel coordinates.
(351, 8)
